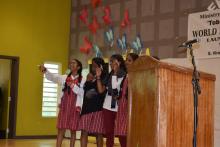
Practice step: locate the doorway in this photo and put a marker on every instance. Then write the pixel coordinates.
(9, 69)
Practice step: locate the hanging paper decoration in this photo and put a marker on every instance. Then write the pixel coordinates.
(84, 15)
(122, 43)
(131, 51)
(137, 44)
(87, 46)
(126, 20)
(94, 25)
(96, 3)
(98, 53)
(124, 56)
(147, 52)
(109, 37)
(107, 17)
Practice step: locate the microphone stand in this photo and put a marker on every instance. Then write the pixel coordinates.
(196, 92)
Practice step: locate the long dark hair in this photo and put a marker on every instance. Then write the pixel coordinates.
(79, 72)
(134, 56)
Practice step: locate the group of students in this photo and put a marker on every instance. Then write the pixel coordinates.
(97, 105)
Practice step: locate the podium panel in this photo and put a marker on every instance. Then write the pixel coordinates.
(161, 106)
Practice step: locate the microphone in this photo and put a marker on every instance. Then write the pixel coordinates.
(190, 42)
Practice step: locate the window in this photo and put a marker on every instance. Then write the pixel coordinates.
(85, 72)
(50, 91)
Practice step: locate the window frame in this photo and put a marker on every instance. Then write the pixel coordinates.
(58, 89)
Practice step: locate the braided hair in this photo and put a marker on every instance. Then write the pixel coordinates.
(134, 56)
(79, 70)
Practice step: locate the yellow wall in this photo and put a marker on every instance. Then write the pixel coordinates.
(5, 71)
(36, 31)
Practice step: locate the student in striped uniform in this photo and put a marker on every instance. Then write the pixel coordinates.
(122, 114)
(92, 121)
(113, 87)
(69, 113)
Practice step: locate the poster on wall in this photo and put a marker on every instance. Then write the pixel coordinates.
(205, 26)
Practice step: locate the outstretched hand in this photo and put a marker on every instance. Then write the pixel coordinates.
(42, 68)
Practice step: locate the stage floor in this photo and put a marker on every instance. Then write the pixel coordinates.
(38, 143)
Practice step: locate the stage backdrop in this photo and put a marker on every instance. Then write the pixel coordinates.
(162, 24)
(205, 26)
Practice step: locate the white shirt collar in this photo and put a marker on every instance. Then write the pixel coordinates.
(74, 77)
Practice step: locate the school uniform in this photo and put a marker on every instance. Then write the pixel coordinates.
(110, 106)
(68, 117)
(91, 119)
(122, 114)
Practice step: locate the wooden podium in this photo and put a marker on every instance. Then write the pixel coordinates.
(161, 106)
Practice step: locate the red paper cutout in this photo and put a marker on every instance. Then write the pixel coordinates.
(96, 3)
(94, 25)
(84, 15)
(106, 18)
(86, 47)
(126, 21)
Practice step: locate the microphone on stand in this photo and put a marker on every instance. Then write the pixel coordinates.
(190, 42)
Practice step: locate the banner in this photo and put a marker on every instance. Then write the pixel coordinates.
(205, 26)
